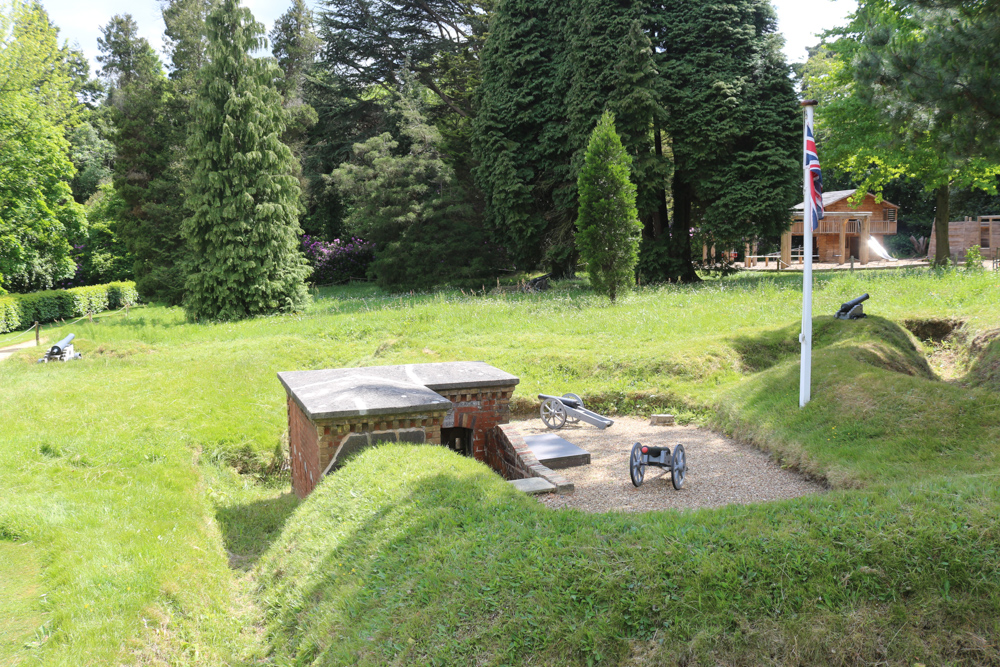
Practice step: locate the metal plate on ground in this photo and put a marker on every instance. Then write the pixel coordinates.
(555, 452)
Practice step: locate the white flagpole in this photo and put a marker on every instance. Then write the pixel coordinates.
(805, 338)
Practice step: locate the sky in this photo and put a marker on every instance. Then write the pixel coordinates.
(80, 21)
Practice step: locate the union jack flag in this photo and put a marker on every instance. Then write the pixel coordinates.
(815, 177)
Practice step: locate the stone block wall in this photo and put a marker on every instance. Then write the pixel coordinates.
(508, 454)
(478, 410)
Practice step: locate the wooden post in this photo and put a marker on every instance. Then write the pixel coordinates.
(786, 248)
(843, 241)
(746, 256)
(90, 316)
(866, 233)
(37, 334)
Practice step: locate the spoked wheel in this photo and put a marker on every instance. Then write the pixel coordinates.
(678, 467)
(573, 420)
(636, 468)
(553, 413)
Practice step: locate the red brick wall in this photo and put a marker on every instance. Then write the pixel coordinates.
(312, 446)
(507, 453)
(479, 410)
(303, 450)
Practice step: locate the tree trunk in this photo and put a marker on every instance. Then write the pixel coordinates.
(941, 219)
(680, 230)
(660, 214)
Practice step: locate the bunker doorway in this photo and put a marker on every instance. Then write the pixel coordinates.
(457, 439)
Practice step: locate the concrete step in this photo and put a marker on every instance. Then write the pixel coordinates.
(533, 485)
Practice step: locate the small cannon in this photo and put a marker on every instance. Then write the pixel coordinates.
(61, 351)
(852, 310)
(659, 457)
(557, 410)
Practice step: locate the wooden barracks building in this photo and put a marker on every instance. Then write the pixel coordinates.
(844, 230)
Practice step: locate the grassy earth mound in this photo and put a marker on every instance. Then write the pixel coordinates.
(415, 555)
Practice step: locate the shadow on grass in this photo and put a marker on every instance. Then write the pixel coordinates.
(448, 572)
(893, 350)
(249, 529)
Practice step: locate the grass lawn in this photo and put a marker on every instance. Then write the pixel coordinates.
(20, 600)
(141, 477)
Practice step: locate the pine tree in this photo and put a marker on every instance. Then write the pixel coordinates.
(244, 226)
(149, 131)
(406, 199)
(608, 222)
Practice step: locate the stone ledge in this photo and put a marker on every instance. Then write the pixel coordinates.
(533, 485)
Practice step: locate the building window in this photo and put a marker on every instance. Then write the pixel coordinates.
(890, 214)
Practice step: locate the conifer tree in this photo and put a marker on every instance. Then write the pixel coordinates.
(244, 226)
(608, 224)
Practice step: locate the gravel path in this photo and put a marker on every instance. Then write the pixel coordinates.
(719, 471)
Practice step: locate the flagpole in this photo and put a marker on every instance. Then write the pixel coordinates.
(805, 338)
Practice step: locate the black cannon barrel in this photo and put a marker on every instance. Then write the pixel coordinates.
(62, 345)
(845, 307)
(565, 400)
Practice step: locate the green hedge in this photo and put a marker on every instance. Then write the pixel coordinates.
(19, 311)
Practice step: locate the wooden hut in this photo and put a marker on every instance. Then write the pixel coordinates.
(963, 234)
(844, 230)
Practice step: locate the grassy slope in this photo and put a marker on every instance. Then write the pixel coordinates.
(905, 570)
(440, 562)
(20, 600)
(100, 456)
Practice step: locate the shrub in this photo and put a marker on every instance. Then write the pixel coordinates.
(18, 311)
(607, 223)
(338, 262)
(973, 260)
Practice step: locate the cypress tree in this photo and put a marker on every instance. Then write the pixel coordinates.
(244, 226)
(608, 223)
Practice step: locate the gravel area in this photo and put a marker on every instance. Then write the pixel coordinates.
(719, 471)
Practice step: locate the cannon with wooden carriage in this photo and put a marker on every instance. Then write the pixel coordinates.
(557, 410)
(61, 351)
(658, 457)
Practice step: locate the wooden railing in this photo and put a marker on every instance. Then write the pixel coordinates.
(833, 225)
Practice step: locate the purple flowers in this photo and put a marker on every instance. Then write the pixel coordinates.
(339, 261)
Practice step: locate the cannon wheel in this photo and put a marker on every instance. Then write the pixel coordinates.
(553, 413)
(573, 420)
(636, 468)
(678, 467)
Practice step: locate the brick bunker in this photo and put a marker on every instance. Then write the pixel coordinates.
(336, 412)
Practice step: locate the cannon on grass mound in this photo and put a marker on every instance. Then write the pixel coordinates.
(658, 457)
(61, 351)
(557, 410)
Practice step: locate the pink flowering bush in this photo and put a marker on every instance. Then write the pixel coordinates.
(338, 261)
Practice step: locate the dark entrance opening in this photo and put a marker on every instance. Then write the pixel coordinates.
(854, 247)
(457, 439)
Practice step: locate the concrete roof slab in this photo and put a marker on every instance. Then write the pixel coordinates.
(382, 390)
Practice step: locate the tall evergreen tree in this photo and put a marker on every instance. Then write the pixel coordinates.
(732, 124)
(243, 231)
(148, 136)
(125, 56)
(294, 45)
(405, 198)
(608, 223)
(575, 59)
